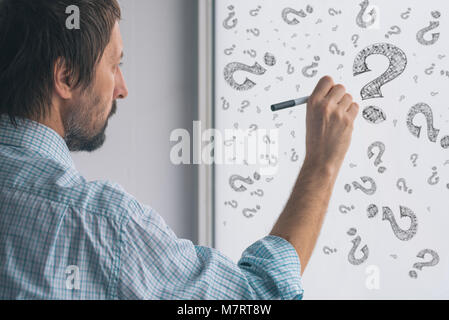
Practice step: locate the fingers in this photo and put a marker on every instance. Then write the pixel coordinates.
(345, 102)
(353, 110)
(323, 87)
(337, 93)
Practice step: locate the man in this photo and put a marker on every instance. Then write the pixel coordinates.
(62, 237)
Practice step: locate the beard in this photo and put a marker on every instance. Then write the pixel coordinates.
(80, 134)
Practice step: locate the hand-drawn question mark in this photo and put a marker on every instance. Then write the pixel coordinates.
(402, 185)
(328, 250)
(333, 48)
(355, 245)
(422, 108)
(234, 204)
(404, 235)
(398, 63)
(393, 30)
(226, 23)
(406, 15)
(248, 84)
(414, 158)
(381, 146)
(345, 209)
(307, 70)
(433, 25)
(419, 265)
(366, 23)
(357, 186)
(287, 11)
(249, 213)
(235, 178)
(354, 39)
(333, 12)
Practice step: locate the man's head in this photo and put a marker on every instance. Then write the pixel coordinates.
(69, 79)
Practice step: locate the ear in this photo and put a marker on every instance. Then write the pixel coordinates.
(62, 85)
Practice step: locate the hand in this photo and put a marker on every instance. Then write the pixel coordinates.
(330, 122)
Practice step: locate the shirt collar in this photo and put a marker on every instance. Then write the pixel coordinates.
(35, 136)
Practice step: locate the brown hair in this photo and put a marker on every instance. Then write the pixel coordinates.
(34, 36)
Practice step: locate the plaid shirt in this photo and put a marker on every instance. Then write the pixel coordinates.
(62, 237)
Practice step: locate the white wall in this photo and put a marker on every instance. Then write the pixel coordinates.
(160, 67)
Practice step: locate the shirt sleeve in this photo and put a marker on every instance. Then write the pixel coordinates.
(155, 264)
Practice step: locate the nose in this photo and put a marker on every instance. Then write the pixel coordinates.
(121, 90)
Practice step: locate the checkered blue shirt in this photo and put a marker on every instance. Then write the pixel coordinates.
(62, 237)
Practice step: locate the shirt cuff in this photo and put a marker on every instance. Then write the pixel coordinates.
(273, 269)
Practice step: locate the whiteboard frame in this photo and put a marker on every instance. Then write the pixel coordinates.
(206, 116)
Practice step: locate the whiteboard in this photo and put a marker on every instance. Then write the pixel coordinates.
(366, 249)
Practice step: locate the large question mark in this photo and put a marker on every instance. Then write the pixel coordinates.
(360, 21)
(378, 161)
(424, 109)
(419, 265)
(287, 11)
(398, 63)
(404, 235)
(248, 84)
(432, 25)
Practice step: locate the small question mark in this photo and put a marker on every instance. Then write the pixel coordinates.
(227, 24)
(357, 186)
(328, 250)
(306, 70)
(235, 178)
(434, 179)
(414, 158)
(249, 213)
(255, 12)
(419, 265)
(290, 68)
(258, 193)
(404, 235)
(393, 30)
(345, 209)
(354, 39)
(373, 14)
(333, 48)
(254, 31)
(226, 104)
(245, 104)
(229, 51)
(232, 203)
(252, 53)
(334, 12)
(401, 184)
(378, 161)
(355, 245)
(406, 14)
(287, 11)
